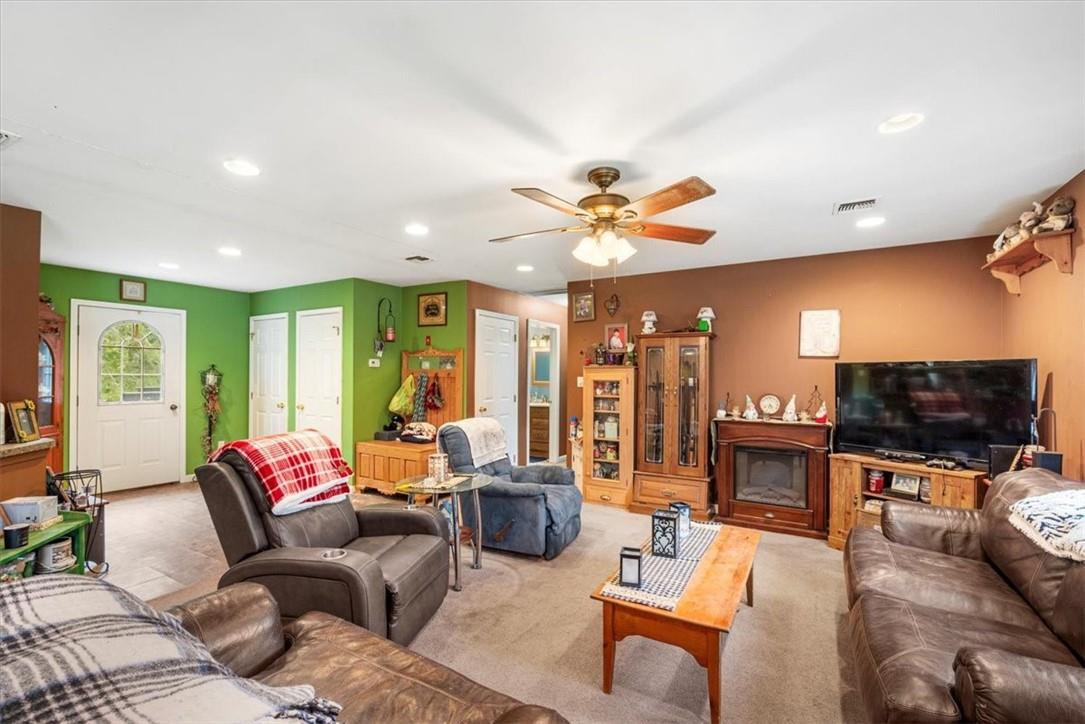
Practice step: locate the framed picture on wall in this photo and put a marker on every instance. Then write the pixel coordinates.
(433, 309)
(133, 290)
(583, 306)
(615, 336)
(819, 333)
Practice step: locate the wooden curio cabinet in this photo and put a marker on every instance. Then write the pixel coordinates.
(608, 434)
(50, 398)
(673, 454)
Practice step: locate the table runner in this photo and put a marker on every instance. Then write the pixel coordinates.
(664, 580)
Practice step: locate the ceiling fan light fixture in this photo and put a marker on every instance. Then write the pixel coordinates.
(623, 249)
(588, 251)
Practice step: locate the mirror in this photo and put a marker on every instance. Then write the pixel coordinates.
(540, 367)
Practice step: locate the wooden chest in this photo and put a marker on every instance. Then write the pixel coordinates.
(380, 464)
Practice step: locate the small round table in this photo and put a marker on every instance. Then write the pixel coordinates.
(414, 485)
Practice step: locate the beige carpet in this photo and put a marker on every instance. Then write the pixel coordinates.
(526, 627)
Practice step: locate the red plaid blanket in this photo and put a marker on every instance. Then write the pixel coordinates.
(298, 469)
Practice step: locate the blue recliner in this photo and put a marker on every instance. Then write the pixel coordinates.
(533, 509)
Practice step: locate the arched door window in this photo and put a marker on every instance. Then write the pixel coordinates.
(46, 375)
(129, 363)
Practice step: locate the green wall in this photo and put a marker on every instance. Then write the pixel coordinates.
(450, 336)
(217, 325)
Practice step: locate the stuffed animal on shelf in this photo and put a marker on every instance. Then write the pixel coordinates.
(1057, 216)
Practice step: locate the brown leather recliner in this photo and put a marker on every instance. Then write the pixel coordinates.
(956, 615)
(373, 679)
(391, 577)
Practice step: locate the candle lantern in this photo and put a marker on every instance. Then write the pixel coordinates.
(629, 570)
(665, 539)
(685, 521)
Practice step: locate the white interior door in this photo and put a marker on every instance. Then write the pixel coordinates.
(319, 372)
(267, 374)
(129, 393)
(497, 372)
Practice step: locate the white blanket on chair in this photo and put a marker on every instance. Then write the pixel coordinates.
(485, 436)
(1054, 521)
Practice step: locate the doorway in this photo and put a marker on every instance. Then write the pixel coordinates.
(268, 374)
(318, 370)
(497, 365)
(129, 391)
(544, 391)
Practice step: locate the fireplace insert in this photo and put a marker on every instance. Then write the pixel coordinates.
(770, 476)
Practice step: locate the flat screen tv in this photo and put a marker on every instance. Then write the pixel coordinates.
(935, 409)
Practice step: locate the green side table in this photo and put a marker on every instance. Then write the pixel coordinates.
(74, 526)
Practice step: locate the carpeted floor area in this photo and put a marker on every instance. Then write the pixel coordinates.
(526, 627)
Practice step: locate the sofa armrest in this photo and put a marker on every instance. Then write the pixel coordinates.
(396, 519)
(998, 686)
(301, 580)
(238, 624)
(531, 714)
(543, 475)
(504, 489)
(953, 531)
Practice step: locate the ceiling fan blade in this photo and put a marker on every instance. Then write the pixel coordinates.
(675, 195)
(684, 234)
(553, 202)
(559, 230)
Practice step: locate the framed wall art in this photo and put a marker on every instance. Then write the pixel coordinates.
(24, 420)
(583, 306)
(819, 333)
(615, 336)
(433, 309)
(133, 290)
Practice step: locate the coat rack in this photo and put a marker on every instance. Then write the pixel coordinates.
(447, 365)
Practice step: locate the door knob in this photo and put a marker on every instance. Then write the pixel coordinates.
(300, 406)
(173, 407)
(280, 405)
(482, 409)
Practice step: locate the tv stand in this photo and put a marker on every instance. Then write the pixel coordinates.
(848, 491)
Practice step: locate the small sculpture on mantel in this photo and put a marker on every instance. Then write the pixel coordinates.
(814, 406)
(751, 411)
(822, 415)
(789, 412)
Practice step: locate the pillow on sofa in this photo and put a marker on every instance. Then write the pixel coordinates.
(83, 650)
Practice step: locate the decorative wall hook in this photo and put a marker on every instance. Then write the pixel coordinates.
(612, 303)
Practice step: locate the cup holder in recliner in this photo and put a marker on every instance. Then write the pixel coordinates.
(333, 554)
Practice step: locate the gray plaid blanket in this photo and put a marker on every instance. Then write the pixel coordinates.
(77, 649)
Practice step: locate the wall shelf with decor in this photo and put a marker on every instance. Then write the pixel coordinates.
(1012, 263)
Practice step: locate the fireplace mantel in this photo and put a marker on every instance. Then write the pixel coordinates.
(769, 438)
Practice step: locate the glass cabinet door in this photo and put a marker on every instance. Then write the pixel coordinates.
(655, 387)
(606, 449)
(689, 393)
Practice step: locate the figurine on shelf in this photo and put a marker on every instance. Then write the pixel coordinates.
(751, 411)
(822, 415)
(631, 355)
(814, 404)
(736, 413)
(789, 411)
(597, 470)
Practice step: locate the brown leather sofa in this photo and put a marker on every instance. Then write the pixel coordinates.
(391, 570)
(372, 678)
(957, 616)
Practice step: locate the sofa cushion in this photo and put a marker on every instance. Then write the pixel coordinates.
(875, 565)
(409, 564)
(904, 654)
(1038, 576)
(376, 680)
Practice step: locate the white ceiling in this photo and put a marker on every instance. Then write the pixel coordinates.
(364, 117)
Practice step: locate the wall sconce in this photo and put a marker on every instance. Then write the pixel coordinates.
(388, 332)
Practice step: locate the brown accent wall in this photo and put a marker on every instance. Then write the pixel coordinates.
(1047, 321)
(503, 301)
(20, 256)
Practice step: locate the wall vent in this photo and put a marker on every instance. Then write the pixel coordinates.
(7, 138)
(418, 259)
(849, 206)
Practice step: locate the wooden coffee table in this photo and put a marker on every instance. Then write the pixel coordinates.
(701, 621)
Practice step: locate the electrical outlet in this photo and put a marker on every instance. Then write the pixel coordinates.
(374, 362)
(579, 381)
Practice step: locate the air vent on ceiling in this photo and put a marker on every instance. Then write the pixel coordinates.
(8, 138)
(418, 259)
(849, 206)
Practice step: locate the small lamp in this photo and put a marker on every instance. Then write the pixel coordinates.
(629, 570)
(648, 319)
(704, 319)
(685, 521)
(665, 539)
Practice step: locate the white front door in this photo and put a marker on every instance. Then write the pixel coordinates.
(129, 393)
(267, 374)
(497, 372)
(319, 372)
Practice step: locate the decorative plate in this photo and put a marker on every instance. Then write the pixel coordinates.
(769, 404)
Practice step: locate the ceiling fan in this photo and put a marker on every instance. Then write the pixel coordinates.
(606, 216)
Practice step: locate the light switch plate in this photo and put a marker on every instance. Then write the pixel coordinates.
(374, 362)
(579, 381)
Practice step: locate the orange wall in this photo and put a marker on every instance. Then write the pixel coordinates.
(20, 234)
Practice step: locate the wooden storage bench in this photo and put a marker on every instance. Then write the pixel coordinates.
(380, 464)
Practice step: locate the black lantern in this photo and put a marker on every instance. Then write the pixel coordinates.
(685, 521)
(665, 539)
(629, 570)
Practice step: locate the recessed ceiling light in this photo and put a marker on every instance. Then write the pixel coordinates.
(241, 167)
(869, 222)
(900, 122)
(168, 265)
(416, 229)
(229, 251)
(525, 268)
